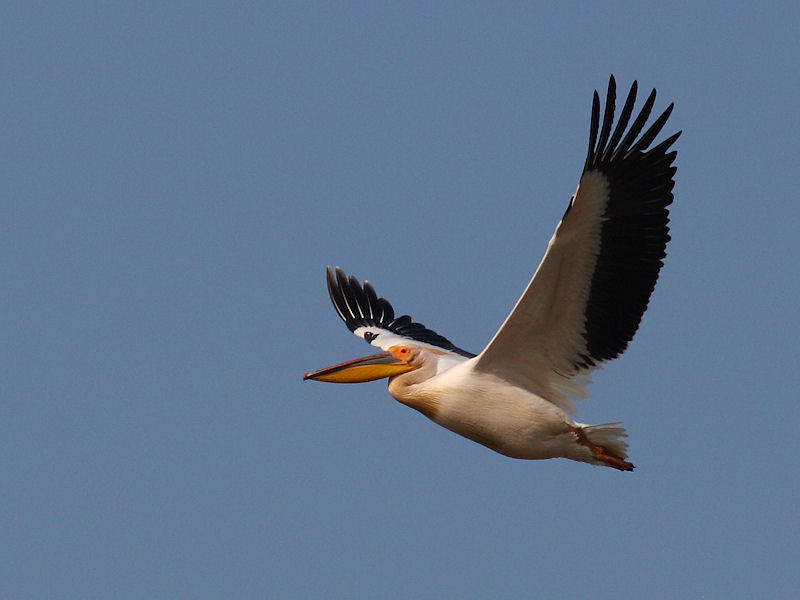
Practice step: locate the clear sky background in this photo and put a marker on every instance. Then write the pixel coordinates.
(176, 177)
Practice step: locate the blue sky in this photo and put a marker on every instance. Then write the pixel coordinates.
(175, 179)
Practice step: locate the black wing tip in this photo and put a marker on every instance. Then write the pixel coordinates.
(359, 306)
(605, 146)
(635, 230)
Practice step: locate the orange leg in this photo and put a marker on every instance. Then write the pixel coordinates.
(601, 453)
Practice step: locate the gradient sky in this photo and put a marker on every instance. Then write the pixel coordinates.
(176, 177)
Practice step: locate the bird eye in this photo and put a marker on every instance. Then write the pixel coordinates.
(369, 336)
(400, 351)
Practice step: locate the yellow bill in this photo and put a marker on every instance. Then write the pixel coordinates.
(368, 368)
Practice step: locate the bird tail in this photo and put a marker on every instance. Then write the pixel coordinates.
(610, 436)
(607, 443)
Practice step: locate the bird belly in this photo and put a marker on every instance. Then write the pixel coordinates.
(510, 421)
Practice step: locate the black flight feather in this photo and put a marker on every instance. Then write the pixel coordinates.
(635, 230)
(361, 307)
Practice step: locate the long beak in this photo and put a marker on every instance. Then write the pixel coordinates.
(359, 370)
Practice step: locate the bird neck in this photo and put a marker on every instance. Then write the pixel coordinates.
(411, 389)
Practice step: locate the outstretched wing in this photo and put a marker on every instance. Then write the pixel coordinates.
(587, 297)
(372, 318)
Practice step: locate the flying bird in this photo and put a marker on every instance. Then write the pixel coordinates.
(580, 309)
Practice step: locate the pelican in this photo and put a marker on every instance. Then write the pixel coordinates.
(580, 309)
